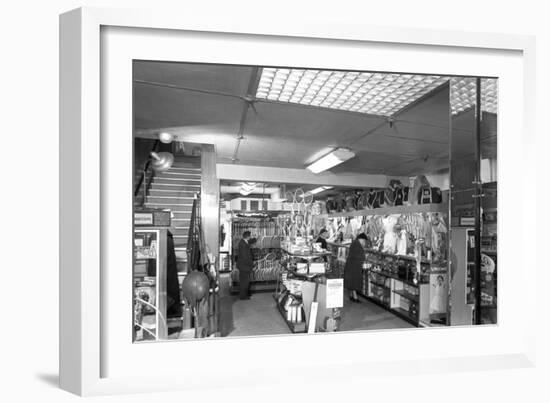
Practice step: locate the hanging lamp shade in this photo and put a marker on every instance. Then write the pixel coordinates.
(162, 161)
(166, 137)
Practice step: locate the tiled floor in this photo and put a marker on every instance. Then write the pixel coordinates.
(259, 315)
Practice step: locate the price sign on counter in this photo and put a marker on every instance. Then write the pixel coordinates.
(335, 293)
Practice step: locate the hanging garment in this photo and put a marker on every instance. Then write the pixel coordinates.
(402, 242)
(390, 237)
(438, 235)
(372, 199)
(173, 307)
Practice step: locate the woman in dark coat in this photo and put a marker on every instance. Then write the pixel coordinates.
(353, 270)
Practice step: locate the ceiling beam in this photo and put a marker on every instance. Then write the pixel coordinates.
(424, 97)
(179, 87)
(237, 172)
(248, 103)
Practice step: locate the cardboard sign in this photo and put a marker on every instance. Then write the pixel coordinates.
(335, 293)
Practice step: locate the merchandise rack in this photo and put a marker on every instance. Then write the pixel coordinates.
(396, 291)
(263, 228)
(415, 208)
(295, 327)
(316, 278)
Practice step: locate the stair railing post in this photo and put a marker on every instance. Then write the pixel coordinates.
(144, 183)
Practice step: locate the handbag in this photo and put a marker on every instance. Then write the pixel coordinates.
(427, 194)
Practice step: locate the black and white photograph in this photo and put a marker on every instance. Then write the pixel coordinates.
(273, 200)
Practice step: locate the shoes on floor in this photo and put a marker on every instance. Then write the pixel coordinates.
(245, 298)
(354, 299)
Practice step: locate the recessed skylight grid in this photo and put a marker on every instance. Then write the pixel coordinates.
(372, 93)
(489, 95)
(463, 94)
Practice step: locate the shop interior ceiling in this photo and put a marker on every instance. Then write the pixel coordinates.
(224, 105)
(231, 189)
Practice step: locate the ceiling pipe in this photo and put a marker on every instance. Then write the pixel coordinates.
(248, 102)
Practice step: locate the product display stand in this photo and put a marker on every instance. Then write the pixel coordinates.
(265, 272)
(390, 281)
(462, 292)
(312, 291)
(150, 295)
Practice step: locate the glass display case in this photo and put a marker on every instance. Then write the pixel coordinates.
(149, 285)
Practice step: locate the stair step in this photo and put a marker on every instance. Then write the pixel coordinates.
(176, 187)
(170, 172)
(175, 181)
(179, 176)
(169, 200)
(171, 206)
(174, 168)
(181, 165)
(181, 230)
(178, 214)
(171, 193)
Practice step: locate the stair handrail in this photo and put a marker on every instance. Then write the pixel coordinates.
(143, 180)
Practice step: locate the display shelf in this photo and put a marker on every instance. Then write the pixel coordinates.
(386, 254)
(393, 276)
(150, 297)
(379, 285)
(395, 290)
(417, 208)
(307, 256)
(401, 257)
(298, 327)
(307, 277)
(404, 314)
(406, 295)
(375, 300)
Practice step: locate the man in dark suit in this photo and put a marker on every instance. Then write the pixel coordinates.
(244, 264)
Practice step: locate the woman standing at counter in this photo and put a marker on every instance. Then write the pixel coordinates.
(353, 270)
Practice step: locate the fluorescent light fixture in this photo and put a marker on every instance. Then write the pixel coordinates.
(319, 189)
(381, 94)
(330, 160)
(463, 94)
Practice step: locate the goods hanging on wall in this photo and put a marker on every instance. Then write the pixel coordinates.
(419, 191)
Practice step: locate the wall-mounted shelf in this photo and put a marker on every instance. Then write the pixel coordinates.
(417, 208)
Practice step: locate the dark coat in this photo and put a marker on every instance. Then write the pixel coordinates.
(322, 241)
(245, 260)
(353, 270)
(324, 245)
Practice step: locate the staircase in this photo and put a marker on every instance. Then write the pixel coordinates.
(174, 190)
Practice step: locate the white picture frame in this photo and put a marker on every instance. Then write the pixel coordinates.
(88, 356)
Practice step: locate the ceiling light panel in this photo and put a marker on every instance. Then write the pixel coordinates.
(463, 94)
(371, 93)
